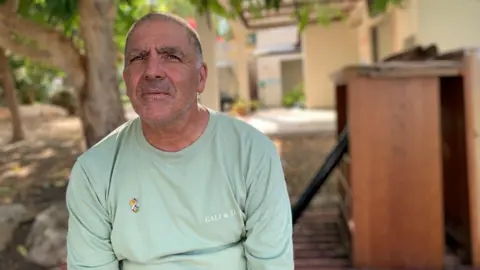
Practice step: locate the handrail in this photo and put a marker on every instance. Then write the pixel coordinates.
(321, 177)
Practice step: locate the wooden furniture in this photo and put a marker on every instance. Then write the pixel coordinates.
(412, 168)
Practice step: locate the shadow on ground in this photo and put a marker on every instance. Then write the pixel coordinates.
(34, 172)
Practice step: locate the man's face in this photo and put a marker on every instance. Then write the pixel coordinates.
(162, 73)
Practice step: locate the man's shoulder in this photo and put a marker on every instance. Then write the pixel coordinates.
(93, 167)
(106, 148)
(247, 135)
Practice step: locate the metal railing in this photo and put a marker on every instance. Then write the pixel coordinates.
(321, 177)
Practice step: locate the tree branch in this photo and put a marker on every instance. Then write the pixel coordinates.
(18, 48)
(49, 46)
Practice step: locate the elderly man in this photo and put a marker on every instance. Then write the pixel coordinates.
(181, 186)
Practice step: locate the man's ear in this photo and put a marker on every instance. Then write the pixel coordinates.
(202, 78)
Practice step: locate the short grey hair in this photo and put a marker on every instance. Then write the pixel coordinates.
(162, 16)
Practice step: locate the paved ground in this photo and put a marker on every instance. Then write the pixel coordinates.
(284, 121)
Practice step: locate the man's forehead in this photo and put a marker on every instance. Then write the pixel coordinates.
(157, 27)
(163, 33)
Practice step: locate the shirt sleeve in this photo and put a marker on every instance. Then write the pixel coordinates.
(268, 244)
(88, 237)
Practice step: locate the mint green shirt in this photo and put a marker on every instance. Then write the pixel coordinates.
(220, 203)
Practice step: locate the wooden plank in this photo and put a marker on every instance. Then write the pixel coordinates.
(396, 172)
(471, 75)
(317, 242)
(398, 69)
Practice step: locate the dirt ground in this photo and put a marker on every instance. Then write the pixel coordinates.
(34, 172)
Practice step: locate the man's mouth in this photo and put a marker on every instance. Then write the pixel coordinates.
(155, 95)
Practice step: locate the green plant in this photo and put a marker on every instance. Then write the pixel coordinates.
(294, 97)
(240, 107)
(29, 94)
(255, 105)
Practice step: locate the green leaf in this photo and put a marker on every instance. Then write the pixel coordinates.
(326, 14)
(236, 5)
(218, 9)
(255, 10)
(22, 250)
(379, 5)
(304, 16)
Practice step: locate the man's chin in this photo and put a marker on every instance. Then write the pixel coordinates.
(157, 119)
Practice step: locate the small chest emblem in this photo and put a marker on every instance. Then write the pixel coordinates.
(134, 205)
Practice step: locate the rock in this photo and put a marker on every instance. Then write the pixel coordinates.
(11, 216)
(46, 242)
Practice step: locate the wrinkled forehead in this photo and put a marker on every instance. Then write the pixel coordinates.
(158, 33)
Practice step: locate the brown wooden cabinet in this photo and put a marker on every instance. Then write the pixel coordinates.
(411, 173)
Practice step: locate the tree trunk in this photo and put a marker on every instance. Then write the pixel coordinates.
(92, 74)
(8, 83)
(100, 106)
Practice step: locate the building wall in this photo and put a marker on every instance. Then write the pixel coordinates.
(292, 74)
(385, 30)
(273, 37)
(227, 72)
(450, 24)
(269, 80)
(405, 25)
(224, 51)
(227, 80)
(326, 49)
(269, 68)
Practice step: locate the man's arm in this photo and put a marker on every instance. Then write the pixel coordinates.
(88, 238)
(269, 217)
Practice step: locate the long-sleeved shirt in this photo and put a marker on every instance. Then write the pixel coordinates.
(220, 203)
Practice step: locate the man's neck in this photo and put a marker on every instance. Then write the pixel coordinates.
(179, 134)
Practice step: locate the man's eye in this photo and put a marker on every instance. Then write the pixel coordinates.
(171, 57)
(139, 57)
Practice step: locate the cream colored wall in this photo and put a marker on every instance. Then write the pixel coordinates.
(269, 68)
(211, 96)
(276, 36)
(227, 80)
(325, 50)
(225, 67)
(364, 45)
(394, 27)
(224, 51)
(230, 65)
(292, 74)
(385, 36)
(269, 72)
(451, 24)
(405, 24)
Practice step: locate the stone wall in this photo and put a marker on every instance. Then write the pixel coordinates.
(302, 155)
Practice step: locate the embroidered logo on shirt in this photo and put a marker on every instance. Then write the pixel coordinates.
(220, 216)
(134, 205)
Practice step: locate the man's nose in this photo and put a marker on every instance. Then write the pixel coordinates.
(154, 69)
